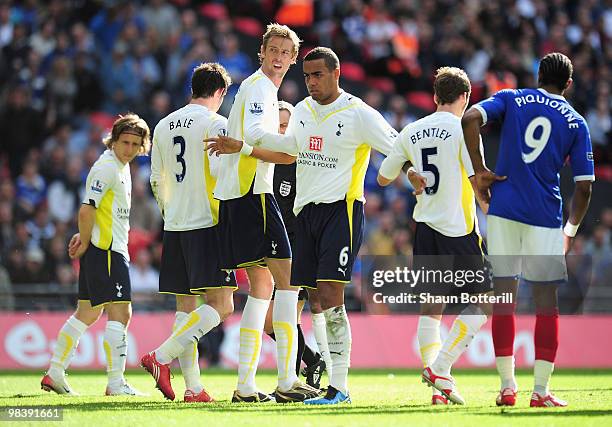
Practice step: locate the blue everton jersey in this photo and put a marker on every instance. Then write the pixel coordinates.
(539, 131)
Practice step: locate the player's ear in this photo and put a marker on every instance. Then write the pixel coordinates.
(435, 98)
(568, 84)
(337, 73)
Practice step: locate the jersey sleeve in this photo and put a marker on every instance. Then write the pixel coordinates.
(254, 132)
(254, 104)
(493, 108)
(157, 171)
(218, 127)
(392, 165)
(376, 131)
(101, 178)
(581, 156)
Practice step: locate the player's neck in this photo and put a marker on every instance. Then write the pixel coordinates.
(331, 98)
(552, 89)
(457, 110)
(274, 77)
(204, 102)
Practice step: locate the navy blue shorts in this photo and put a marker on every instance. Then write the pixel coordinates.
(190, 263)
(327, 239)
(251, 228)
(464, 256)
(104, 277)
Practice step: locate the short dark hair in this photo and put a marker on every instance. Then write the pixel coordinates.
(207, 78)
(555, 69)
(450, 83)
(326, 54)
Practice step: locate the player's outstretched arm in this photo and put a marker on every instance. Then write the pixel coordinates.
(578, 208)
(222, 144)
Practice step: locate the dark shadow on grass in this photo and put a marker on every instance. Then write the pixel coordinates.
(299, 410)
(550, 412)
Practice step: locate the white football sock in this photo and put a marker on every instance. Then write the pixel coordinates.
(188, 359)
(197, 324)
(339, 340)
(251, 328)
(505, 369)
(542, 370)
(464, 329)
(284, 320)
(428, 334)
(319, 328)
(65, 345)
(115, 348)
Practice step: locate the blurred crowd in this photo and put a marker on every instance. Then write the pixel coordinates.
(67, 68)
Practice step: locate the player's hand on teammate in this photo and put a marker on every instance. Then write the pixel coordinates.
(417, 181)
(76, 248)
(222, 144)
(484, 180)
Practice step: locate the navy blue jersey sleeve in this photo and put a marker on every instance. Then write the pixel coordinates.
(494, 108)
(581, 156)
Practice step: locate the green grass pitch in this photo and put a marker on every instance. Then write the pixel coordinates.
(380, 398)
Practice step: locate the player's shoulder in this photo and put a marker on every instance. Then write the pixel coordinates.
(217, 120)
(508, 93)
(257, 81)
(349, 100)
(106, 164)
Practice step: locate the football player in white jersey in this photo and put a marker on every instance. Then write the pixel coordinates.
(183, 176)
(253, 235)
(284, 191)
(101, 246)
(331, 133)
(446, 225)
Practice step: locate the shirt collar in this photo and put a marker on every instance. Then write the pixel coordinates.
(551, 95)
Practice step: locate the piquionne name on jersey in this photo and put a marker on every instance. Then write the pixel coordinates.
(540, 131)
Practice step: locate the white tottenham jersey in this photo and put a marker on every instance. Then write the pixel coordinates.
(109, 189)
(435, 147)
(253, 114)
(332, 144)
(183, 175)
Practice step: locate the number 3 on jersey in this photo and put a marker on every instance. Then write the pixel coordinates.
(179, 157)
(538, 144)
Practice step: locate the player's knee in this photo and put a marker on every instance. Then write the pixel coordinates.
(331, 294)
(223, 306)
(186, 303)
(226, 310)
(88, 315)
(120, 313)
